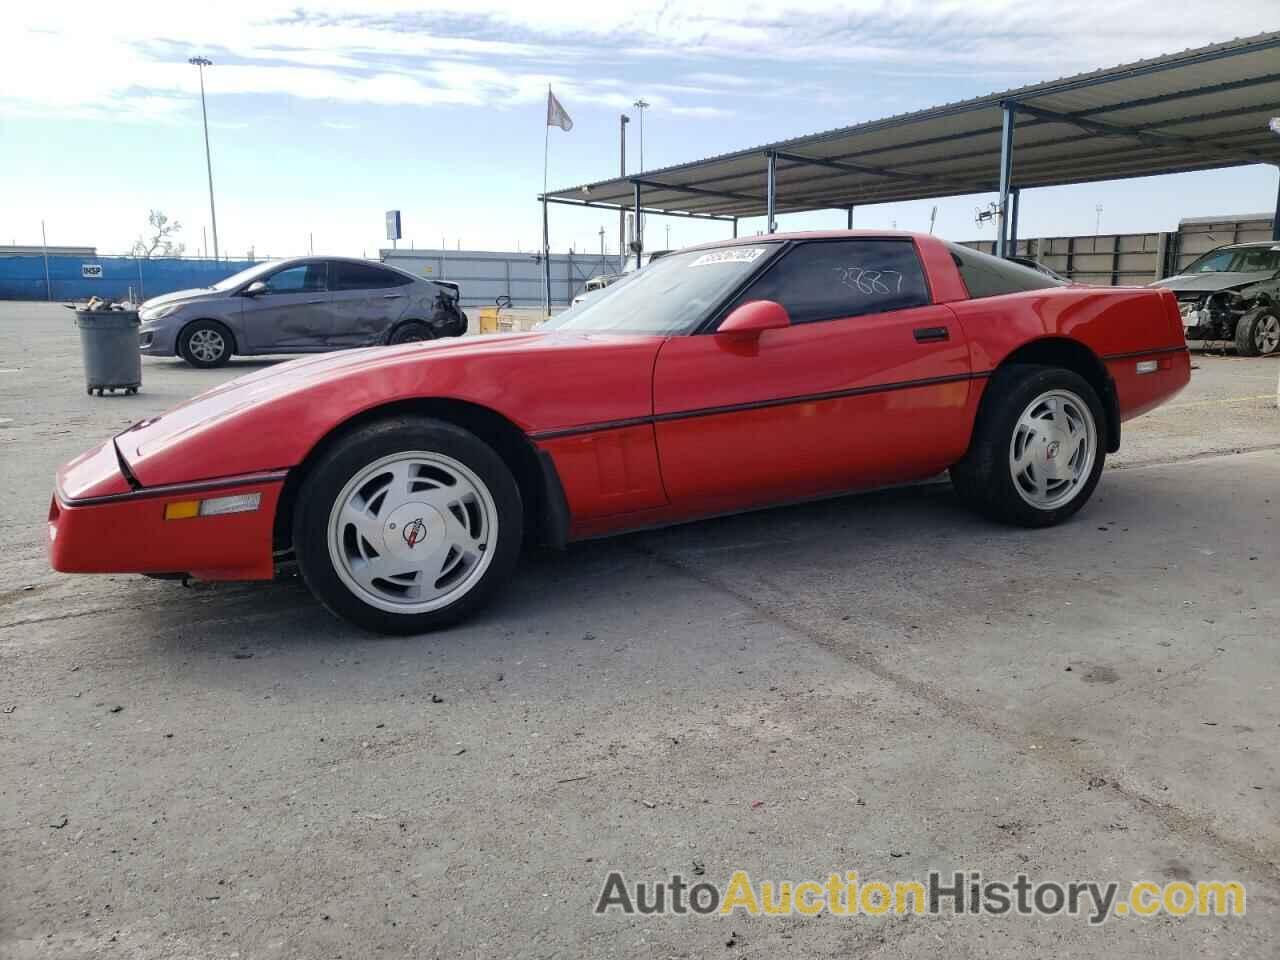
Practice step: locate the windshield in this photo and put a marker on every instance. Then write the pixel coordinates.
(1239, 260)
(245, 275)
(668, 297)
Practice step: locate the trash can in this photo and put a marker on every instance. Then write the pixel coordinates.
(109, 345)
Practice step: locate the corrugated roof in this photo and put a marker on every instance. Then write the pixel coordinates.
(1200, 109)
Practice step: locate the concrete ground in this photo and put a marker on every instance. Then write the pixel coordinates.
(880, 683)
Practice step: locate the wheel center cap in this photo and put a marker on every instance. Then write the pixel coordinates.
(1056, 455)
(413, 530)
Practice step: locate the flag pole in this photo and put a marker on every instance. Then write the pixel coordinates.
(546, 234)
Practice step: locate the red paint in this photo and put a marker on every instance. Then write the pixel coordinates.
(760, 455)
(752, 319)
(274, 417)
(95, 473)
(131, 535)
(610, 472)
(642, 459)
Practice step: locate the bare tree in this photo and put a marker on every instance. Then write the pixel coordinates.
(158, 239)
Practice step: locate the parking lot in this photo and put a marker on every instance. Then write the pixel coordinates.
(881, 683)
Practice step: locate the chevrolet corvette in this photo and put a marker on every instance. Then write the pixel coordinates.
(403, 481)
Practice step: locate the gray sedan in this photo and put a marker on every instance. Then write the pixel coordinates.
(305, 305)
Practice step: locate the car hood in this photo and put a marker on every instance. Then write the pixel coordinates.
(179, 296)
(1210, 282)
(271, 418)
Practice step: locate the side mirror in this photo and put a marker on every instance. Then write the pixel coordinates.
(754, 318)
(255, 288)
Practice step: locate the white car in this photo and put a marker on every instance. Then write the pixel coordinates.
(592, 285)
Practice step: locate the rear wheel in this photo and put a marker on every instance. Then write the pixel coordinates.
(1038, 447)
(407, 525)
(205, 344)
(411, 332)
(1258, 332)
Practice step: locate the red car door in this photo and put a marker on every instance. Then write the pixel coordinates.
(868, 386)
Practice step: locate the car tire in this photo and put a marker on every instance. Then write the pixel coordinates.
(1258, 332)
(206, 344)
(412, 331)
(407, 525)
(1038, 447)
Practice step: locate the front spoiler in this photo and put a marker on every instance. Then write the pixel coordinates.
(128, 532)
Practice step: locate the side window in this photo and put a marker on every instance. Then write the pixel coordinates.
(363, 276)
(826, 280)
(306, 278)
(988, 276)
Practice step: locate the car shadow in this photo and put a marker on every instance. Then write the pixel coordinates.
(590, 581)
(865, 555)
(235, 363)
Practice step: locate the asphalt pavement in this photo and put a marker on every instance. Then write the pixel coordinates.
(881, 683)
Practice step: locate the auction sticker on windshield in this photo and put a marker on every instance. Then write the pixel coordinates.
(732, 255)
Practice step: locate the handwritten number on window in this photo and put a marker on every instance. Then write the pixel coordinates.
(870, 282)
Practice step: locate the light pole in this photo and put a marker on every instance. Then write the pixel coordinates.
(200, 63)
(1097, 224)
(642, 105)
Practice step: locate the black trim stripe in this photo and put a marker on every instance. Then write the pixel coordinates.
(170, 489)
(600, 427)
(1158, 351)
(755, 405)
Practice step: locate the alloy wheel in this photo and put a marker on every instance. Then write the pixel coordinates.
(413, 532)
(1266, 333)
(1052, 450)
(207, 345)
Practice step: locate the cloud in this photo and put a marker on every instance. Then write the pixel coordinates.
(85, 57)
(700, 111)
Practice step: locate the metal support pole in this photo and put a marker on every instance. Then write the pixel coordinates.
(1275, 224)
(1015, 196)
(546, 259)
(1006, 180)
(735, 228)
(639, 240)
(623, 120)
(44, 247)
(849, 220)
(771, 193)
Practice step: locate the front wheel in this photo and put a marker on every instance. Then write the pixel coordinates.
(205, 344)
(1258, 332)
(1038, 447)
(407, 525)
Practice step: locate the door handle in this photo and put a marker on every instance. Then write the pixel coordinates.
(392, 296)
(311, 302)
(931, 334)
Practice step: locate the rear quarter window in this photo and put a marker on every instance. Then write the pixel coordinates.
(833, 279)
(988, 276)
(363, 276)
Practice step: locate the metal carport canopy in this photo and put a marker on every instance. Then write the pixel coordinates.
(1200, 109)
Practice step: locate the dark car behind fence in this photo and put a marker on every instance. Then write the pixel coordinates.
(112, 278)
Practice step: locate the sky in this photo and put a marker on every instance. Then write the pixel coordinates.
(324, 115)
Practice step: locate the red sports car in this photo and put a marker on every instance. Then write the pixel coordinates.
(718, 379)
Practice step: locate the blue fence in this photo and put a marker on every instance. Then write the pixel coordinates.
(79, 278)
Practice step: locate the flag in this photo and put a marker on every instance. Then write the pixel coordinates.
(556, 114)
